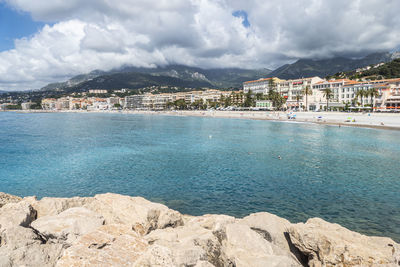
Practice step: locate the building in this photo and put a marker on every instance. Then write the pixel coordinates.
(27, 105)
(49, 103)
(98, 91)
(264, 105)
(260, 86)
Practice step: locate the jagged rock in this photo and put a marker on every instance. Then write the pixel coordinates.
(137, 232)
(274, 229)
(67, 226)
(22, 246)
(6, 198)
(156, 256)
(16, 214)
(53, 206)
(328, 244)
(109, 245)
(189, 244)
(245, 247)
(138, 212)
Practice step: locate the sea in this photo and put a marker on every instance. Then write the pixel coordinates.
(201, 165)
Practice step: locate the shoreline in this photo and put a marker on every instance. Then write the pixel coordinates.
(383, 121)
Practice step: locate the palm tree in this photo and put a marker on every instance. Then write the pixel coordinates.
(307, 91)
(298, 97)
(373, 92)
(328, 93)
(361, 93)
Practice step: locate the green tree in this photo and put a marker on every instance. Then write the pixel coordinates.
(307, 91)
(373, 92)
(180, 104)
(249, 101)
(360, 94)
(328, 94)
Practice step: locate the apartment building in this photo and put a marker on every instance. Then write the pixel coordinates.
(260, 86)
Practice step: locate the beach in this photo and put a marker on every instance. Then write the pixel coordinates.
(389, 121)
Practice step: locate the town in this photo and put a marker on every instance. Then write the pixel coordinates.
(305, 94)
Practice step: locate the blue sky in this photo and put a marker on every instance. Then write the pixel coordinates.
(15, 25)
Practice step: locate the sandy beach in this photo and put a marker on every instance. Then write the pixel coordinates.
(390, 121)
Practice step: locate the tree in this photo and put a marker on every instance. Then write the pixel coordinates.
(328, 94)
(180, 104)
(298, 97)
(249, 101)
(361, 93)
(373, 92)
(307, 91)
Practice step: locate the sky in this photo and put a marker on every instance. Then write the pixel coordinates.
(45, 41)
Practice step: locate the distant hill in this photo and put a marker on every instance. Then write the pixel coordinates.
(325, 67)
(172, 75)
(386, 71)
(134, 80)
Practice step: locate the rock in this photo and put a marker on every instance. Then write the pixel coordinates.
(6, 198)
(156, 256)
(67, 226)
(16, 214)
(24, 247)
(327, 244)
(143, 215)
(275, 230)
(109, 245)
(196, 243)
(245, 247)
(53, 206)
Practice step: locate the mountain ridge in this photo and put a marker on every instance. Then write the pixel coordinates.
(194, 77)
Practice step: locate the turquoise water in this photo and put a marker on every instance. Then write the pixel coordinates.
(196, 165)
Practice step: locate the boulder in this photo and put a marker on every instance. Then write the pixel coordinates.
(6, 198)
(275, 230)
(245, 247)
(143, 215)
(16, 214)
(188, 244)
(67, 226)
(328, 244)
(53, 206)
(109, 245)
(22, 246)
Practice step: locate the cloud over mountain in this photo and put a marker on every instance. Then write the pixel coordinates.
(83, 35)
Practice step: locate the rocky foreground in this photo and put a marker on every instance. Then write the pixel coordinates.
(116, 230)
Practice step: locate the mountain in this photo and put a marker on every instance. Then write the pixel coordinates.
(380, 71)
(325, 67)
(171, 75)
(73, 81)
(134, 80)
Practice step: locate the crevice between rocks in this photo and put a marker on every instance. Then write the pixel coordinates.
(301, 257)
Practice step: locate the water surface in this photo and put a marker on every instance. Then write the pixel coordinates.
(198, 165)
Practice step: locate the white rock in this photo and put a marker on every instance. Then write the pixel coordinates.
(16, 214)
(109, 245)
(138, 212)
(23, 247)
(53, 206)
(328, 244)
(245, 247)
(6, 198)
(67, 226)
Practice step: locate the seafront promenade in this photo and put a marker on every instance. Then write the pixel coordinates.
(390, 121)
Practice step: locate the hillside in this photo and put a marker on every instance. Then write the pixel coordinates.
(325, 67)
(134, 80)
(172, 75)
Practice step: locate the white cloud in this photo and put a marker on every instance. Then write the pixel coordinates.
(105, 34)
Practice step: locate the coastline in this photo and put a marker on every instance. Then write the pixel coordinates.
(383, 121)
(118, 230)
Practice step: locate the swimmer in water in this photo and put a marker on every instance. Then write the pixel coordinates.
(279, 157)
